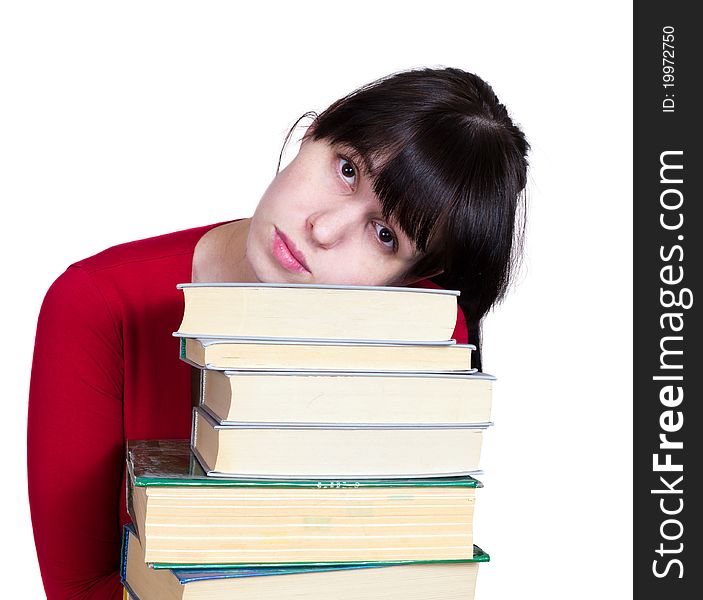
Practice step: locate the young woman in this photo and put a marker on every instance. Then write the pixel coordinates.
(416, 175)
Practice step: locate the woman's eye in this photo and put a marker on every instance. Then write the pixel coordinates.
(385, 236)
(347, 171)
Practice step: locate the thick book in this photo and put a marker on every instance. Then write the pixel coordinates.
(329, 397)
(185, 518)
(256, 354)
(335, 451)
(318, 311)
(391, 581)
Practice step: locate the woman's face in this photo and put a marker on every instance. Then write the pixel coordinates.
(320, 222)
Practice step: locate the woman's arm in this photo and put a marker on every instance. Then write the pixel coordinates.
(75, 441)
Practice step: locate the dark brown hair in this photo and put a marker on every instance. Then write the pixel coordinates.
(449, 167)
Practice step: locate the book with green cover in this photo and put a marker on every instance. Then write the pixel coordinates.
(243, 353)
(404, 581)
(186, 518)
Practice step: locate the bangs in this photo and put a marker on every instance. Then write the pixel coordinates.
(449, 168)
(427, 178)
(403, 167)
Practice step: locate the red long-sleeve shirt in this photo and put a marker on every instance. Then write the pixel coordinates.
(106, 369)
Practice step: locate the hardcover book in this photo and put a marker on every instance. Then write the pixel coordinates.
(183, 517)
(327, 397)
(336, 451)
(296, 354)
(317, 311)
(391, 581)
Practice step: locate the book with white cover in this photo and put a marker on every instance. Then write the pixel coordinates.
(339, 397)
(339, 451)
(298, 354)
(332, 312)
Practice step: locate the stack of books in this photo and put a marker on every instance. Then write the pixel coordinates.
(333, 450)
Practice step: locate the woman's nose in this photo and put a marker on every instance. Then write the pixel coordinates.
(328, 227)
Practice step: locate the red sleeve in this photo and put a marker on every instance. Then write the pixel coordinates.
(461, 333)
(75, 441)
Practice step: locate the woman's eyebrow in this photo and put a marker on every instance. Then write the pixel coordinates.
(360, 159)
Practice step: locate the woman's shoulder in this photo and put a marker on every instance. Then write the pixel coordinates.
(142, 274)
(157, 248)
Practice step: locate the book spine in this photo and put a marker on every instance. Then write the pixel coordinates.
(201, 395)
(130, 481)
(194, 429)
(130, 594)
(123, 555)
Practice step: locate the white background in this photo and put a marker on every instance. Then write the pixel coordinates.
(120, 121)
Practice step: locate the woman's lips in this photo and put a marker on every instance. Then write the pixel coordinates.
(287, 255)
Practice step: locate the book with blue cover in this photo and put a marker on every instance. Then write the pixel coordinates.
(392, 581)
